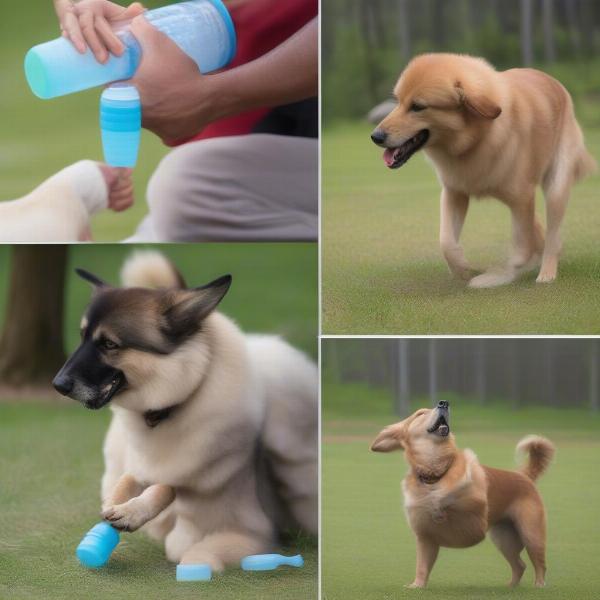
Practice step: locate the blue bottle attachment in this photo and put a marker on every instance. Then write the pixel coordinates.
(269, 562)
(121, 125)
(98, 544)
(203, 29)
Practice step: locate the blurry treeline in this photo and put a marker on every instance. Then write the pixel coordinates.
(366, 43)
(517, 371)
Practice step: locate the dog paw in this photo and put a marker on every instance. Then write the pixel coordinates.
(492, 279)
(129, 516)
(414, 585)
(546, 277)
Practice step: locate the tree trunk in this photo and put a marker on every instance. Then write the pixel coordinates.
(548, 25)
(404, 29)
(31, 347)
(527, 32)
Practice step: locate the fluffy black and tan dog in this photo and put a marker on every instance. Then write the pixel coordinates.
(213, 443)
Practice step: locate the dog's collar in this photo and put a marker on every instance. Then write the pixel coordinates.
(429, 478)
(152, 418)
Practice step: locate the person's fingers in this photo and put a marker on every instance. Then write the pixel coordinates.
(132, 11)
(72, 30)
(108, 37)
(88, 28)
(121, 203)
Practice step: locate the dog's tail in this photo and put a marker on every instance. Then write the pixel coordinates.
(540, 451)
(150, 269)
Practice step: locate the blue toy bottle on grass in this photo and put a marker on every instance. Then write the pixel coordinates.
(203, 29)
(98, 544)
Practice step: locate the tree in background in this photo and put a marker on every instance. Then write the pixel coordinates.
(31, 346)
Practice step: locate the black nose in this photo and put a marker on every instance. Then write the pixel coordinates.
(63, 384)
(442, 404)
(379, 136)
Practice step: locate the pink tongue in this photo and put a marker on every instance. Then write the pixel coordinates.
(388, 156)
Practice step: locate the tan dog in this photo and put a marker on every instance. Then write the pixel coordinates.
(452, 500)
(490, 133)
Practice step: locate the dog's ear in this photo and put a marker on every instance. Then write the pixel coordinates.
(187, 308)
(391, 438)
(91, 278)
(478, 103)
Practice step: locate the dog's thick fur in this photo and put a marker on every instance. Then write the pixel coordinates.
(490, 133)
(59, 210)
(213, 442)
(451, 500)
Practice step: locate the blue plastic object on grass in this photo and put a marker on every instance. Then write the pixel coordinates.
(203, 29)
(268, 562)
(98, 544)
(194, 573)
(121, 125)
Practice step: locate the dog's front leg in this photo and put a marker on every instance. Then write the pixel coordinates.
(453, 210)
(130, 514)
(427, 552)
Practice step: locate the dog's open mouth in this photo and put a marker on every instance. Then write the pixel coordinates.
(116, 384)
(396, 157)
(440, 427)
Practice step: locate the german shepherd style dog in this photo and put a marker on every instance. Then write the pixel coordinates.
(213, 441)
(451, 500)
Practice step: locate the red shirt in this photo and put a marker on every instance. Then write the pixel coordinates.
(261, 25)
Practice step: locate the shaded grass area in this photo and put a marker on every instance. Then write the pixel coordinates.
(274, 286)
(40, 137)
(51, 464)
(368, 549)
(383, 272)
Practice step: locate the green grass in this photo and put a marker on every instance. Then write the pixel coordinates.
(274, 285)
(383, 272)
(40, 137)
(368, 551)
(51, 464)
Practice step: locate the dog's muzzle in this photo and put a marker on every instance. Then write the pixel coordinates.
(441, 425)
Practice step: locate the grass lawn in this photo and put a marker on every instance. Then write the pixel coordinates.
(274, 286)
(40, 137)
(51, 464)
(383, 272)
(368, 549)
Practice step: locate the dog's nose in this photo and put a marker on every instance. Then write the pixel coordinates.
(442, 404)
(379, 136)
(63, 384)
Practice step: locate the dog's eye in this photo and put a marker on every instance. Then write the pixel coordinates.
(415, 107)
(109, 344)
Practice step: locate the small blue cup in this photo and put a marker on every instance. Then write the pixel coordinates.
(95, 548)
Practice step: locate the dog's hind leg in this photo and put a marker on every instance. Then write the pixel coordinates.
(224, 548)
(509, 542)
(427, 552)
(556, 203)
(530, 522)
(453, 211)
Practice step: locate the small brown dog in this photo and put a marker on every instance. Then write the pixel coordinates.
(490, 133)
(452, 500)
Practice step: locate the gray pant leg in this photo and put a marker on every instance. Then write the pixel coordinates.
(246, 188)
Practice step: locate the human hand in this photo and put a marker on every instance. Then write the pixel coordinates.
(88, 23)
(176, 97)
(120, 187)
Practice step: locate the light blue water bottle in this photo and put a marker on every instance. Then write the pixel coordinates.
(121, 125)
(98, 544)
(203, 29)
